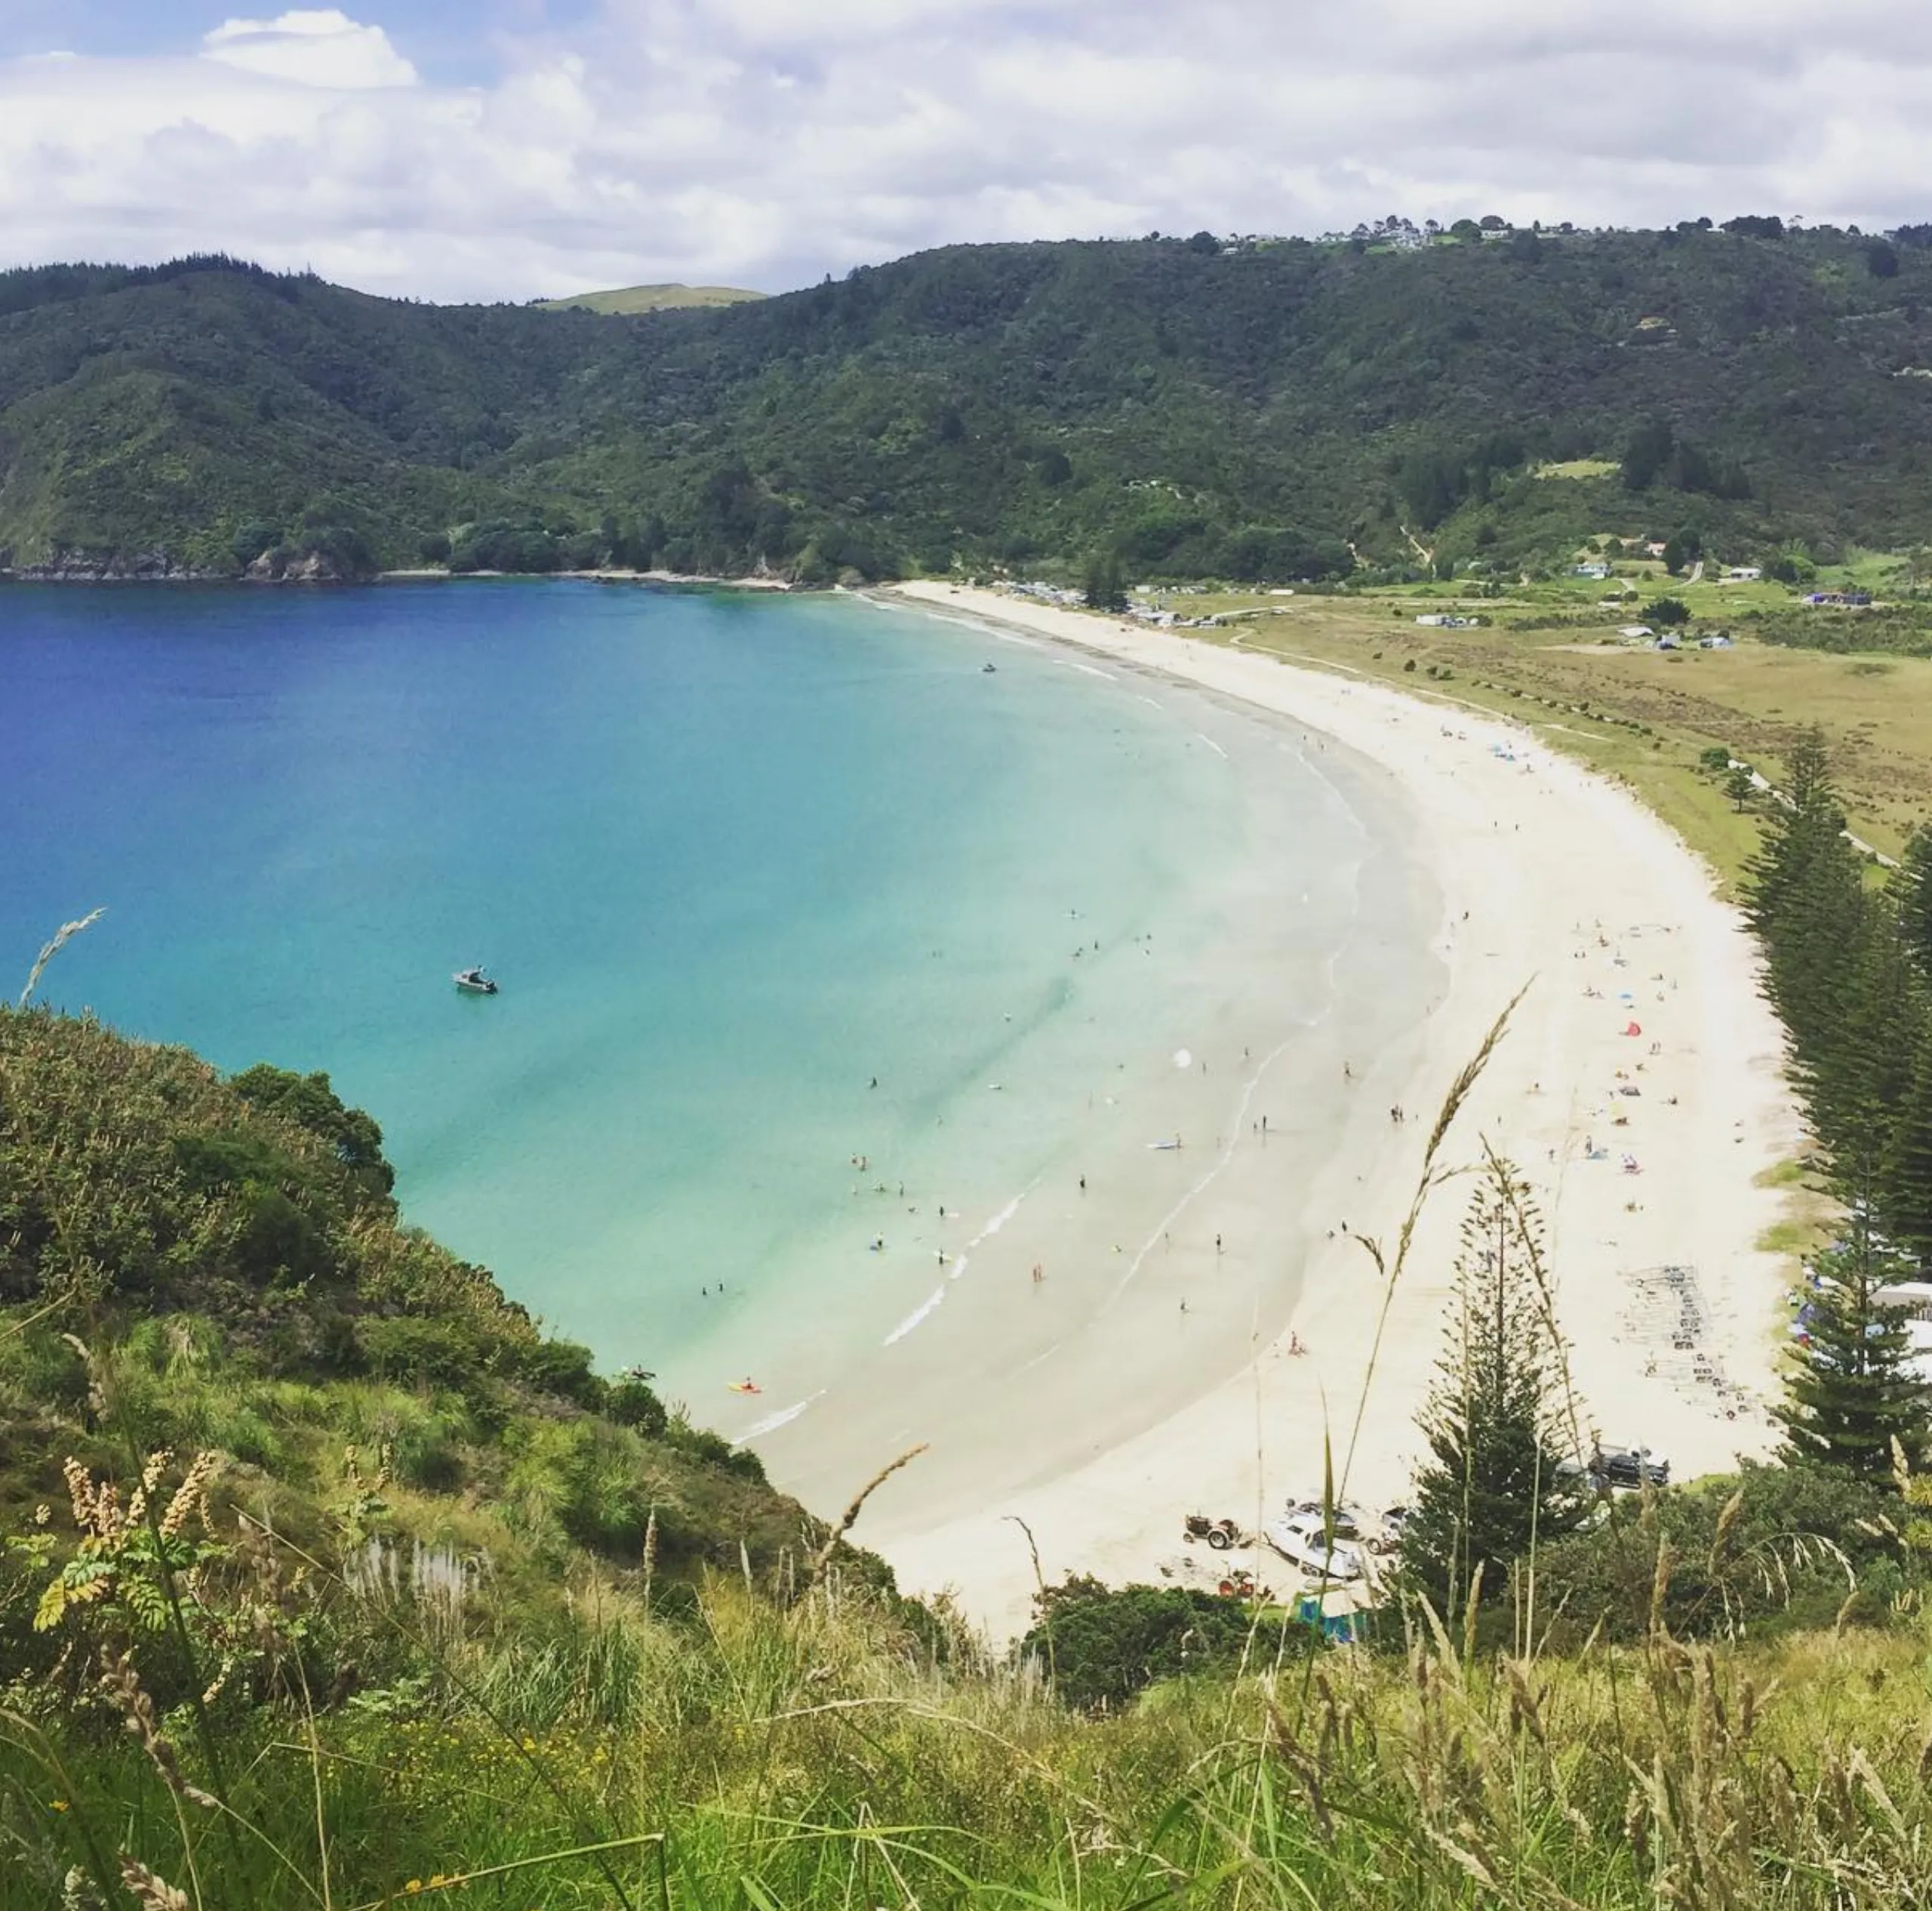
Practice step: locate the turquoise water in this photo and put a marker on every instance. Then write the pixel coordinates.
(734, 859)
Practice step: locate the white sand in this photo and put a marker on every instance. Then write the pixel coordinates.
(1572, 887)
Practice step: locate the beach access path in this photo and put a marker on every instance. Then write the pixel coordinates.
(1646, 1151)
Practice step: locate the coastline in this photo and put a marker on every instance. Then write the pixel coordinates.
(1571, 887)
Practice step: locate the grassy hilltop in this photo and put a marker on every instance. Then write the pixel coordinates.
(1271, 410)
(631, 300)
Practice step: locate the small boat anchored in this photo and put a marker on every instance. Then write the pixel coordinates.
(474, 981)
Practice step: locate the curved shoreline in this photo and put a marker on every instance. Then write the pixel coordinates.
(1539, 851)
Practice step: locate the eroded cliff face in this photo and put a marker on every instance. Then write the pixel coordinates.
(118, 567)
(163, 566)
(272, 567)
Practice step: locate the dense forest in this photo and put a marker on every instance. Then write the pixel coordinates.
(1258, 409)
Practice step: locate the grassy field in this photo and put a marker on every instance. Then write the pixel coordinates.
(1642, 715)
(1578, 467)
(628, 299)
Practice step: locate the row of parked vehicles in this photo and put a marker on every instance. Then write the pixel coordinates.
(1337, 1543)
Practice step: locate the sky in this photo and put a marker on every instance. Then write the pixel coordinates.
(456, 149)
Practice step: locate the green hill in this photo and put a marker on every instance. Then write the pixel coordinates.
(1248, 411)
(632, 299)
(230, 1266)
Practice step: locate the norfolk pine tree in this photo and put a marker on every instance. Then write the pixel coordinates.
(1849, 1397)
(1500, 1412)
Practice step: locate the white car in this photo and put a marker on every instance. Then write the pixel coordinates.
(1300, 1537)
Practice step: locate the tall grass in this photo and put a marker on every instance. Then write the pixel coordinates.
(812, 1755)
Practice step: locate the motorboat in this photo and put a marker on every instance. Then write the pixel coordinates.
(1302, 1539)
(474, 981)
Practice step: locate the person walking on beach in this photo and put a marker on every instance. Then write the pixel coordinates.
(1217, 1244)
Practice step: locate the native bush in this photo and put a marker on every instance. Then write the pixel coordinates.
(1101, 1645)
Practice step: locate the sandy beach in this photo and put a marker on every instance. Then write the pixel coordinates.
(1639, 1091)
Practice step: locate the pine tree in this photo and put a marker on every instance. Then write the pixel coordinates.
(1806, 898)
(1911, 884)
(1905, 1184)
(1105, 586)
(1858, 1072)
(1850, 1391)
(1500, 1412)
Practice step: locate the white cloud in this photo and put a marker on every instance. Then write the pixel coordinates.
(766, 142)
(318, 47)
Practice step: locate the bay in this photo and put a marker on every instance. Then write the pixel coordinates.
(735, 859)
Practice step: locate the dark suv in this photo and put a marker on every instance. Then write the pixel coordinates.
(1630, 1466)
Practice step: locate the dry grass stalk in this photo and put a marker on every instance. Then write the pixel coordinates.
(822, 1558)
(153, 1894)
(122, 1684)
(1427, 1181)
(63, 936)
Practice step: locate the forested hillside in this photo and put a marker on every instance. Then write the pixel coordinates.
(1248, 411)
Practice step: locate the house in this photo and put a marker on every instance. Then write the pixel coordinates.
(1669, 641)
(1635, 631)
(1838, 600)
(1718, 642)
(1657, 547)
(1743, 574)
(1443, 620)
(1597, 570)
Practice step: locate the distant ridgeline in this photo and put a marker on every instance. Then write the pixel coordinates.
(1246, 409)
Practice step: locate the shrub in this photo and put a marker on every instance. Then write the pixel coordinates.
(632, 1401)
(560, 1367)
(406, 1347)
(702, 1444)
(1104, 1645)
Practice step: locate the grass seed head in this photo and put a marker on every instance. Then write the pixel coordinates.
(153, 1894)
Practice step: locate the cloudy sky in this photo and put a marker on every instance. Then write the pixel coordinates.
(509, 149)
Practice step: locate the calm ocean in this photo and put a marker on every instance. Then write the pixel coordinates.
(734, 858)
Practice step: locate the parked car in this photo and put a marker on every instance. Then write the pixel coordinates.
(1631, 1466)
(1302, 1538)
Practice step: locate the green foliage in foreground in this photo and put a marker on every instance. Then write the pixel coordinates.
(1261, 411)
(768, 1749)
